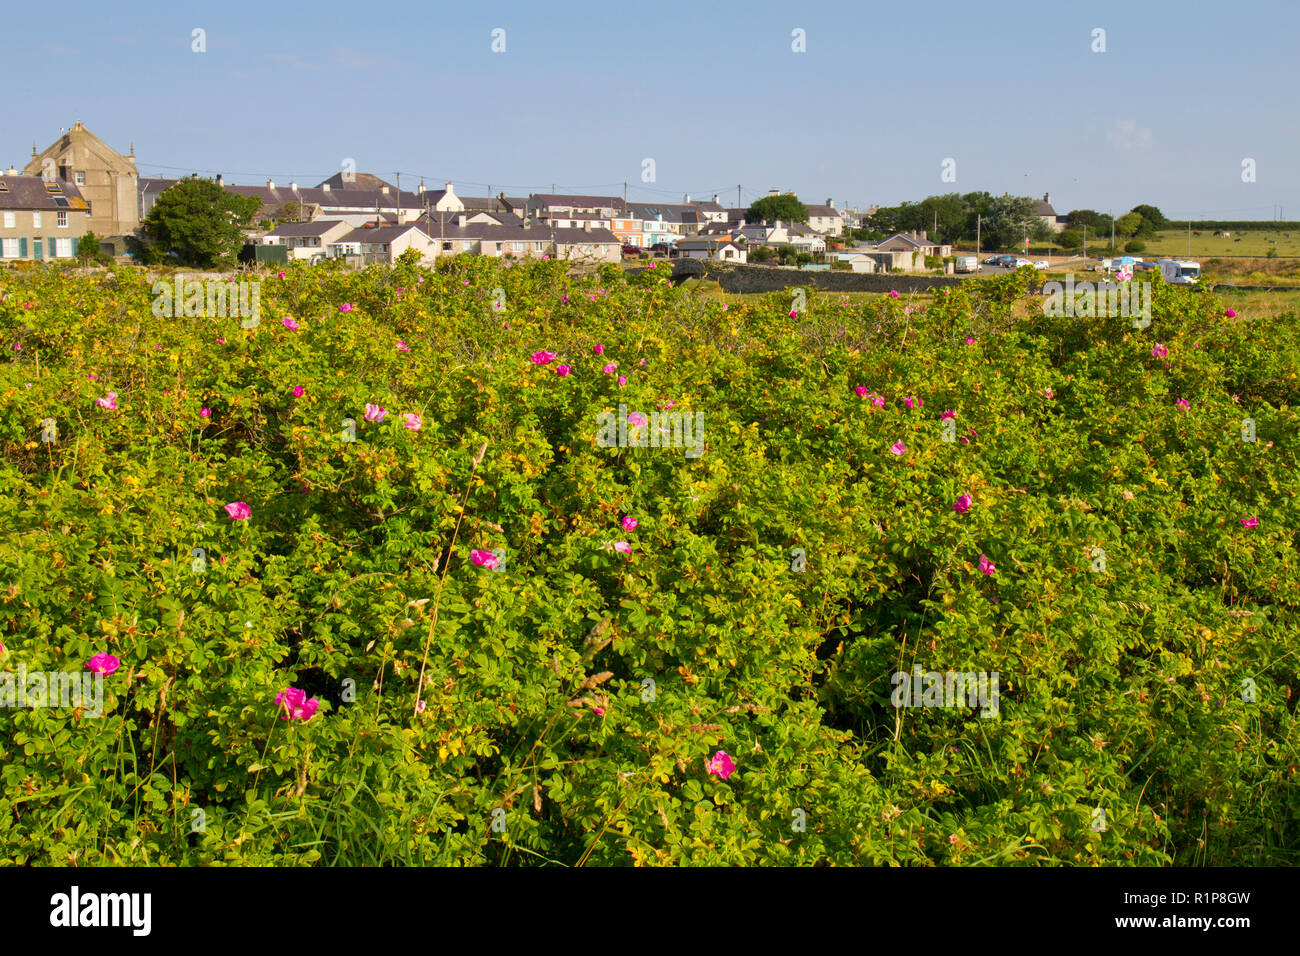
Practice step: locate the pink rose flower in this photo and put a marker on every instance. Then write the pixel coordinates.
(861, 391)
(403, 347)
(722, 765)
(911, 402)
(289, 324)
(969, 340)
(346, 307)
(987, 566)
(485, 559)
(893, 293)
(1160, 351)
(948, 414)
(109, 401)
(239, 510)
(412, 421)
(298, 391)
(562, 370)
(598, 349)
(610, 368)
(279, 275)
(205, 413)
(1231, 314)
(898, 448)
(374, 413)
(622, 380)
(623, 547)
(103, 663)
(542, 358)
(629, 523)
(962, 504)
(1184, 403)
(295, 704)
(1249, 523)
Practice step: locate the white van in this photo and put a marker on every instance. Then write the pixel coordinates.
(1180, 271)
(967, 264)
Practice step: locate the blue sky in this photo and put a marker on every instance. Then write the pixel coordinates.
(712, 92)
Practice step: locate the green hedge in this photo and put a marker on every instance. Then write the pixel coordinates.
(770, 588)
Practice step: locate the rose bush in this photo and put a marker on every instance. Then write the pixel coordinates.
(428, 632)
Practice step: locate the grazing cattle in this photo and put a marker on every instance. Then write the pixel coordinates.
(1196, 234)
(1217, 233)
(1227, 234)
(1236, 240)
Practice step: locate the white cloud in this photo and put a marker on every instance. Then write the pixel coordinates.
(1128, 135)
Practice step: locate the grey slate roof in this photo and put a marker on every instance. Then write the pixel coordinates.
(318, 228)
(29, 192)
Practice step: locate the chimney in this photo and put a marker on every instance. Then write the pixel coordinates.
(587, 225)
(420, 191)
(688, 198)
(270, 184)
(220, 180)
(460, 219)
(1047, 198)
(831, 203)
(715, 197)
(293, 186)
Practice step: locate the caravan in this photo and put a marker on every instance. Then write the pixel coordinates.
(1180, 271)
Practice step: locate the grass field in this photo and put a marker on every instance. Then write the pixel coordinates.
(1170, 243)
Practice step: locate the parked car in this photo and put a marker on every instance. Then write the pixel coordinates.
(990, 261)
(637, 251)
(661, 249)
(1017, 262)
(1041, 264)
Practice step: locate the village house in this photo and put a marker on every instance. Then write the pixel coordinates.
(307, 240)
(826, 219)
(723, 248)
(1045, 212)
(381, 244)
(40, 218)
(103, 177)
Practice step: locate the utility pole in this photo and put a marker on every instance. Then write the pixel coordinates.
(979, 221)
(738, 203)
(1112, 230)
(399, 198)
(1189, 238)
(1085, 240)
(552, 189)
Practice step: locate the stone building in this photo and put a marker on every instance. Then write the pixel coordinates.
(104, 177)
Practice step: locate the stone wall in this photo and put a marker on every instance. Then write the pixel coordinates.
(765, 279)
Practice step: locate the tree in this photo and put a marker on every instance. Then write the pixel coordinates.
(1135, 245)
(1010, 218)
(1128, 224)
(785, 207)
(1152, 215)
(1096, 222)
(760, 254)
(88, 247)
(200, 222)
(786, 254)
(1071, 239)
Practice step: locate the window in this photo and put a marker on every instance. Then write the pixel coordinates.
(63, 220)
(81, 179)
(11, 220)
(9, 248)
(36, 220)
(446, 246)
(62, 248)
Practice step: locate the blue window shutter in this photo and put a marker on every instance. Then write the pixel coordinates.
(75, 243)
(22, 248)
